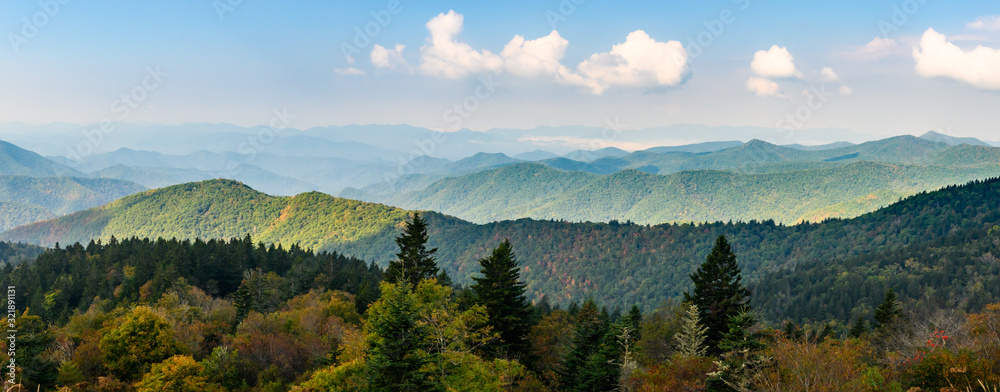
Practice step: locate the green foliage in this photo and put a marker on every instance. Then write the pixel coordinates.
(132, 270)
(395, 358)
(179, 373)
(501, 292)
(592, 363)
(718, 293)
(135, 341)
(414, 262)
(888, 312)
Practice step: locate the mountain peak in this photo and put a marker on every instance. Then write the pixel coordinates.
(953, 140)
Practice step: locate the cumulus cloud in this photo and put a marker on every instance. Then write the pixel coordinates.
(351, 71)
(446, 57)
(988, 23)
(827, 75)
(776, 62)
(537, 58)
(640, 61)
(764, 87)
(845, 90)
(936, 57)
(389, 58)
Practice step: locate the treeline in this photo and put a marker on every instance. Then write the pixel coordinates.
(231, 316)
(64, 281)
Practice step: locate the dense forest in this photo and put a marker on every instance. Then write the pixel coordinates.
(616, 263)
(169, 315)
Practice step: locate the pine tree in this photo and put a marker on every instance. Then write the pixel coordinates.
(691, 338)
(394, 356)
(414, 262)
(718, 292)
(502, 293)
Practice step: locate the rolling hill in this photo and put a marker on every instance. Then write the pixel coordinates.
(63, 195)
(618, 264)
(531, 190)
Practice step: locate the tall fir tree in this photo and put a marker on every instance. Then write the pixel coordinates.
(414, 262)
(395, 358)
(741, 358)
(501, 291)
(718, 292)
(585, 367)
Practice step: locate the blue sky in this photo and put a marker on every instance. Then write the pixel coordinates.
(257, 55)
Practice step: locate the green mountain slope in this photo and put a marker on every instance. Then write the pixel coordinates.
(618, 264)
(63, 195)
(534, 191)
(13, 214)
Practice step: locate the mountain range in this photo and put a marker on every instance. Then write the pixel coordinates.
(726, 180)
(618, 263)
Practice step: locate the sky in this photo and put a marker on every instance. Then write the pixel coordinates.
(877, 67)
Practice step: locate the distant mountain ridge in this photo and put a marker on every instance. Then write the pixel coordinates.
(617, 263)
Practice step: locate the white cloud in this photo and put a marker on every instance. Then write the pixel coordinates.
(536, 58)
(936, 57)
(389, 58)
(445, 57)
(827, 75)
(845, 90)
(776, 62)
(876, 49)
(351, 71)
(639, 62)
(988, 23)
(763, 87)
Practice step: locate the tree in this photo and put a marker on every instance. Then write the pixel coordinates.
(887, 312)
(414, 262)
(741, 360)
(587, 366)
(179, 373)
(859, 328)
(691, 338)
(718, 292)
(502, 293)
(395, 359)
(139, 338)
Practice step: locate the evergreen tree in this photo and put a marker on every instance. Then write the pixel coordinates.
(394, 356)
(414, 262)
(502, 293)
(859, 328)
(691, 338)
(741, 358)
(583, 368)
(718, 292)
(888, 311)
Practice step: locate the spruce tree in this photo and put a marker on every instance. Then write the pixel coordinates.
(583, 368)
(394, 356)
(741, 357)
(502, 293)
(888, 311)
(414, 262)
(859, 328)
(718, 292)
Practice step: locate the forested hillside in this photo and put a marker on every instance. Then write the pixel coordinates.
(535, 191)
(617, 263)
